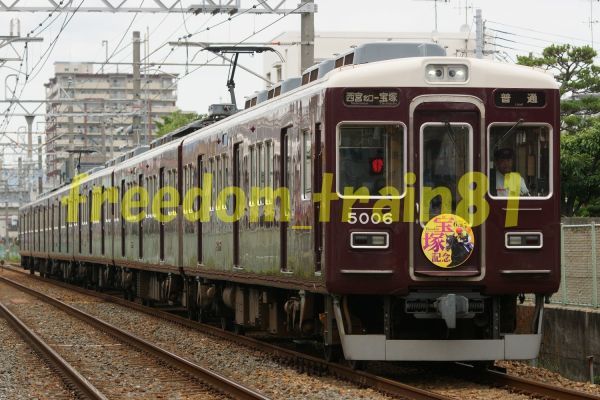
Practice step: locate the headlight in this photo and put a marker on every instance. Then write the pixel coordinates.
(434, 73)
(457, 73)
(446, 73)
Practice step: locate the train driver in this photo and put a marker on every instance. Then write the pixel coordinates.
(503, 164)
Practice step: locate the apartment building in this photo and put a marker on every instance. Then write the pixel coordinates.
(90, 116)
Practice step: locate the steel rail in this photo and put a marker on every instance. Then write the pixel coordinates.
(73, 379)
(536, 388)
(303, 361)
(529, 386)
(212, 379)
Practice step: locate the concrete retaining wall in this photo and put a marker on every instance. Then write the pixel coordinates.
(570, 335)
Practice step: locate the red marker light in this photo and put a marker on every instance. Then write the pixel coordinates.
(377, 165)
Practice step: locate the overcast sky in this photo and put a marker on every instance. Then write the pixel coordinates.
(523, 25)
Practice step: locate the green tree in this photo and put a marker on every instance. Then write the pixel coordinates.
(579, 170)
(175, 120)
(579, 79)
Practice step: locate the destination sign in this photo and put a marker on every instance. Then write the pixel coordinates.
(519, 98)
(372, 97)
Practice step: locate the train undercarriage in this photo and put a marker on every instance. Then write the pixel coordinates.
(423, 326)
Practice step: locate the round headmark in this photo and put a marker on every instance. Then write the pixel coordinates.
(447, 240)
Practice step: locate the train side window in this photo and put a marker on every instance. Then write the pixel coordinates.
(269, 164)
(252, 170)
(218, 183)
(213, 196)
(227, 202)
(371, 156)
(261, 170)
(525, 153)
(306, 164)
(185, 185)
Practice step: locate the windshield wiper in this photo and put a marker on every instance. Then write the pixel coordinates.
(508, 132)
(451, 135)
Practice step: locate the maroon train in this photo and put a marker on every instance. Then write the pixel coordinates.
(371, 255)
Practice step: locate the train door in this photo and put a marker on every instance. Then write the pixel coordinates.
(237, 174)
(446, 146)
(103, 207)
(90, 206)
(317, 182)
(199, 183)
(60, 221)
(284, 182)
(161, 223)
(122, 217)
(285, 203)
(140, 224)
(79, 223)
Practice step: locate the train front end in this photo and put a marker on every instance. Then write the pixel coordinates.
(445, 179)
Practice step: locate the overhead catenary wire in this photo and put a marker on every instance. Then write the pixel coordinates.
(537, 31)
(496, 37)
(179, 78)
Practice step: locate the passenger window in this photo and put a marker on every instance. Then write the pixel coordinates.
(370, 156)
(213, 200)
(252, 168)
(306, 165)
(261, 170)
(269, 164)
(523, 152)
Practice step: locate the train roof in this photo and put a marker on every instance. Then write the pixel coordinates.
(410, 72)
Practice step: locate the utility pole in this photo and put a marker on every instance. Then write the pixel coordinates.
(20, 172)
(136, 86)
(29, 120)
(148, 133)
(307, 37)
(105, 45)
(478, 34)
(103, 131)
(112, 139)
(6, 221)
(70, 168)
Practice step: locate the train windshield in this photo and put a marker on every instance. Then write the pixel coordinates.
(371, 157)
(445, 158)
(524, 153)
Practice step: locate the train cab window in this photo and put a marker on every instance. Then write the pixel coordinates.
(445, 158)
(523, 151)
(306, 164)
(370, 156)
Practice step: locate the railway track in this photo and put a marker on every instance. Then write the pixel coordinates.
(302, 362)
(178, 367)
(543, 390)
(314, 365)
(72, 377)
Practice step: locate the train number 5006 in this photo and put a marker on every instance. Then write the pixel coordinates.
(365, 218)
